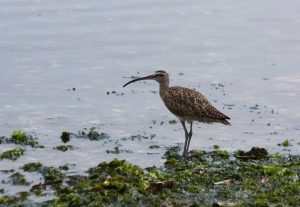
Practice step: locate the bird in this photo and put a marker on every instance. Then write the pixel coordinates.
(186, 104)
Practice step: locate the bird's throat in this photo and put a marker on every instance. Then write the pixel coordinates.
(163, 87)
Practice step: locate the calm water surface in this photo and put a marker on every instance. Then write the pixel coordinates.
(242, 55)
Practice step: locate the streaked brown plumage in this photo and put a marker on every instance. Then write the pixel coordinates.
(186, 104)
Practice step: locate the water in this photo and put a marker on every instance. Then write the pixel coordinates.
(243, 56)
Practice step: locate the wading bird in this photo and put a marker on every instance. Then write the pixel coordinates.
(186, 104)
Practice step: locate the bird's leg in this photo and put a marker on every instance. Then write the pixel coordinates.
(190, 134)
(186, 138)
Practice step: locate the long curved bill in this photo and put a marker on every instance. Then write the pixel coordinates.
(150, 77)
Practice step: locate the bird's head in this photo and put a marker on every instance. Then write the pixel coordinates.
(160, 76)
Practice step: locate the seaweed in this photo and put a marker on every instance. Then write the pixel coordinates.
(12, 154)
(204, 178)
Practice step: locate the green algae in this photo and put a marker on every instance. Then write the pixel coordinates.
(21, 138)
(138, 137)
(90, 134)
(12, 154)
(38, 189)
(17, 179)
(64, 147)
(117, 150)
(93, 135)
(285, 143)
(254, 154)
(213, 178)
(18, 137)
(172, 152)
(65, 137)
(32, 167)
(52, 175)
(154, 146)
(7, 171)
(2, 139)
(20, 199)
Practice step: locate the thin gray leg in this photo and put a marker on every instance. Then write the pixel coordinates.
(186, 138)
(190, 137)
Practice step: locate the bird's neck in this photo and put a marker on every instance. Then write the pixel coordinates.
(163, 87)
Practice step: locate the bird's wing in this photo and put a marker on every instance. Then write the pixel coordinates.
(186, 102)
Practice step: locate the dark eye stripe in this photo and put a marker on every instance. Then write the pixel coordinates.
(160, 75)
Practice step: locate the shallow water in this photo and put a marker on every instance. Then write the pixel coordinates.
(244, 56)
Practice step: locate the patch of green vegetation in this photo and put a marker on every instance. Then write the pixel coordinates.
(17, 179)
(38, 189)
(32, 167)
(285, 143)
(154, 146)
(16, 200)
(18, 137)
(172, 152)
(65, 137)
(64, 147)
(90, 134)
(215, 178)
(52, 175)
(12, 154)
(2, 139)
(137, 137)
(216, 147)
(117, 150)
(220, 154)
(21, 138)
(64, 167)
(94, 135)
(170, 162)
(7, 171)
(254, 154)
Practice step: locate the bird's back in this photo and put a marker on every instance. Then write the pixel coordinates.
(188, 104)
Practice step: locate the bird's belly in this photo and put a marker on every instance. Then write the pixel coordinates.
(185, 118)
(195, 118)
